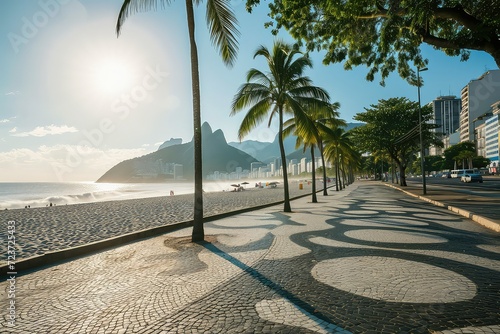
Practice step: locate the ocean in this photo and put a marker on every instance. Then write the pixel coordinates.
(17, 195)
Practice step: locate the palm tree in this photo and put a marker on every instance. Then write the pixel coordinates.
(311, 136)
(283, 90)
(308, 137)
(327, 119)
(222, 24)
(338, 148)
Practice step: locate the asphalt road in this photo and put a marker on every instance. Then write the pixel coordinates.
(480, 198)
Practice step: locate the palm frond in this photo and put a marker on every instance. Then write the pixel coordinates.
(248, 94)
(289, 127)
(314, 92)
(130, 7)
(255, 115)
(222, 24)
(259, 77)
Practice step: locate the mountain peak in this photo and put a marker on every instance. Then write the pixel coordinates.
(206, 129)
(218, 135)
(158, 166)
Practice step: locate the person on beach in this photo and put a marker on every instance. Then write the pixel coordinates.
(171, 193)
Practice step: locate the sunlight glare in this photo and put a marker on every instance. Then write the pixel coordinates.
(111, 76)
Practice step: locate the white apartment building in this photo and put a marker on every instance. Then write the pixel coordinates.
(492, 138)
(477, 97)
(303, 165)
(480, 140)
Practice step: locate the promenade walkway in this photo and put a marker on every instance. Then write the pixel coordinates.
(368, 259)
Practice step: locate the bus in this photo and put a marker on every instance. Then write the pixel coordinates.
(458, 173)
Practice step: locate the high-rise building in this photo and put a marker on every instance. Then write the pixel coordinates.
(446, 111)
(277, 163)
(303, 165)
(477, 97)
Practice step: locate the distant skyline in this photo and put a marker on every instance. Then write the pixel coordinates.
(75, 99)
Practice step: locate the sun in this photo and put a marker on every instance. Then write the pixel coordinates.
(111, 76)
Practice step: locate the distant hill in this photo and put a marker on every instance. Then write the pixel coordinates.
(163, 164)
(266, 152)
(249, 146)
(171, 142)
(351, 126)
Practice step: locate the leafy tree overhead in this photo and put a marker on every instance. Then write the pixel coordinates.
(385, 35)
(222, 25)
(392, 127)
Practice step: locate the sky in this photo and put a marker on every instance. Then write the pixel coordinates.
(75, 100)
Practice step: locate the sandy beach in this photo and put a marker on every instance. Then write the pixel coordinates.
(41, 230)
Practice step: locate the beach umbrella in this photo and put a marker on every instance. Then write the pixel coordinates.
(235, 185)
(245, 182)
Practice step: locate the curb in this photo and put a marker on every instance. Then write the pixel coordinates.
(474, 217)
(67, 254)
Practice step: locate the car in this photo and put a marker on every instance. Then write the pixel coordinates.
(446, 175)
(472, 178)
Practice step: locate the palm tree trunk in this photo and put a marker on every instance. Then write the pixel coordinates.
(198, 231)
(337, 174)
(325, 191)
(314, 198)
(287, 207)
(344, 176)
(341, 177)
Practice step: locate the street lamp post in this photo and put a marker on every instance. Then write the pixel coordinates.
(422, 159)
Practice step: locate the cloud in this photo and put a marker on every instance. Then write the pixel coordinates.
(13, 130)
(42, 131)
(62, 162)
(12, 93)
(7, 120)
